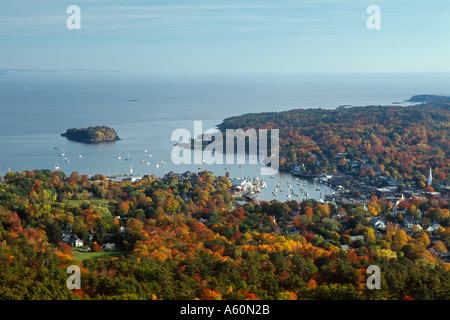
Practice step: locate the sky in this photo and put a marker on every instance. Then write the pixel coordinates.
(225, 37)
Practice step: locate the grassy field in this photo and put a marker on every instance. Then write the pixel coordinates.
(99, 202)
(80, 256)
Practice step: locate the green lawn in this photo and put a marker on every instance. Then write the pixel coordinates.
(80, 256)
(99, 202)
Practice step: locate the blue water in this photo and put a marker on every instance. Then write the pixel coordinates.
(35, 108)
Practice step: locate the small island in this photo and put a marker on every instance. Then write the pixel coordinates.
(91, 135)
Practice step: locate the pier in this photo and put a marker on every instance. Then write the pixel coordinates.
(247, 188)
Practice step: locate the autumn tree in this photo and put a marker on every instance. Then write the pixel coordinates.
(122, 208)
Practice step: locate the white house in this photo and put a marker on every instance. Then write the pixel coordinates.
(76, 242)
(434, 227)
(409, 224)
(109, 247)
(66, 234)
(378, 224)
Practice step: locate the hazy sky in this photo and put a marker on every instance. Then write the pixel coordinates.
(234, 36)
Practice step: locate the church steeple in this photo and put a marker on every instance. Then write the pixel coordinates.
(430, 178)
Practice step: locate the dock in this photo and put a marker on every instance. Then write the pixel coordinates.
(247, 188)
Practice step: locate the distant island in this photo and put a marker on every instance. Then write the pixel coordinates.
(97, 134)
(429, 98)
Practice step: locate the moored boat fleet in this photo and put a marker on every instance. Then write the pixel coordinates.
(300, 189)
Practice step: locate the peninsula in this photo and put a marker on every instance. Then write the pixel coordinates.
(97, 134)
(429, 98)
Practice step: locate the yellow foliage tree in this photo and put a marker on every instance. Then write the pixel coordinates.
(373, 207)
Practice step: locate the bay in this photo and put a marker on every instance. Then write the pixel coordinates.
(35, 108)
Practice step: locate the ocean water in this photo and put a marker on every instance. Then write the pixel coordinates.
(35, 108)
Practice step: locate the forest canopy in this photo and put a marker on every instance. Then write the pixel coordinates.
(185, 238)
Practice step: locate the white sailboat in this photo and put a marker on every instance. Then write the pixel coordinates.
(62, 154)
(57, 166)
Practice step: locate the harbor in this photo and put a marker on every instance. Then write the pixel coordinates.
(282, 187)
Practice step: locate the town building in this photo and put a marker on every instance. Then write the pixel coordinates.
(109, 247)
(378, 223)
(75, 242)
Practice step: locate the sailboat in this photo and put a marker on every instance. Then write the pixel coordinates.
(57, 166)
(131, 169)
(62, 154)
(128, 157)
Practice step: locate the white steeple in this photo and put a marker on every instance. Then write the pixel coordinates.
(430, 178)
